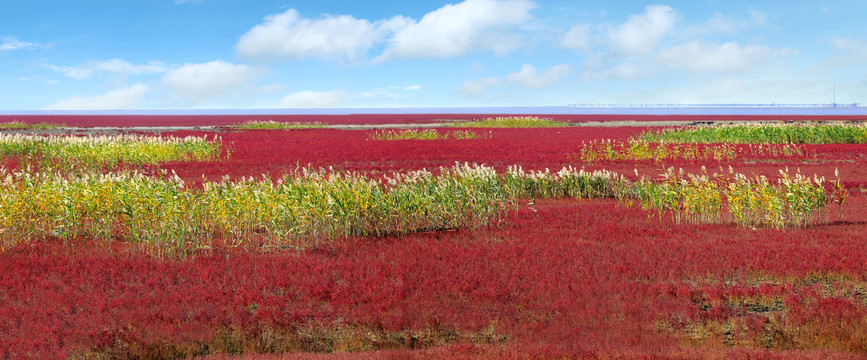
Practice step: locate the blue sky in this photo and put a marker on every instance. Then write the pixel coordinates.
(179, 54)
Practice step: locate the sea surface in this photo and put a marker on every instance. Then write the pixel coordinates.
(736, 109)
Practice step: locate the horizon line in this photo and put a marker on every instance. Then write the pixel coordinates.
(568, 109)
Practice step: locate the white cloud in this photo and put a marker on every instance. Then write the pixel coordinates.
(577, 38)
(269, 88)
(37, 79)
(313, 99)
(123, 98)
(847, 44)
(475, 88)
(117, 66)
(721, 23)
(774, 88)
(625, 71)
(702, 55)
(288, 35)
(727, 24)
(850, 52)
(9, 43)
(640, 34)
(391, 92)
(529, 77)
(757, 18)
(450, 31)
(456, 29)
(199, 82)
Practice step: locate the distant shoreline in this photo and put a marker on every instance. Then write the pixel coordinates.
(638, 109)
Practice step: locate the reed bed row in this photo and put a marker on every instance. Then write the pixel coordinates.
(791, 200)
(274, 125)
(511, 122)
(427, 134)
(566, 183)
(97, 152)
(763, 134)
(17, 125)
(299, 211)
(296, 212)
(643, 150)
(312, 207)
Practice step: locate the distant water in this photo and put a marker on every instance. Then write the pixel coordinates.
(739, 109)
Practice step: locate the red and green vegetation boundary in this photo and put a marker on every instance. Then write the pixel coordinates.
(566, 278)
(226, 120)
(589, 278)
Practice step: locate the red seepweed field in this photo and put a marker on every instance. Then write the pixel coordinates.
(222, 120)
(548, 277)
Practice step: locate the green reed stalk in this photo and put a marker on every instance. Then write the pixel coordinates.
(274, 125)
(643, 150)
(17, 125)
(763, 134)
(511, 122)
(311, 207)
(96, 152)
(428, 134)
(793, 200)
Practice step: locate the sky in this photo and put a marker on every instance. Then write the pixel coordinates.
(213, 54)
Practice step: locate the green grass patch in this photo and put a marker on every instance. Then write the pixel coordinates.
(428, 134)
(274, 125)
(511, 122)
(65, 153)
(17, 125)
(642, 150)
(763, 134)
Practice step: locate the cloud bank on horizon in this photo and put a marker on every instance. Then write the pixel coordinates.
(231, 54)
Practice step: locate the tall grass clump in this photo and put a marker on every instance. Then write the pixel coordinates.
(511, 122)
(311, 207)
(299, 211)
(791, 200)
(94, 152)
(566, 183)
(274, 125)
(763, 134)
(642, 150)
(428, 134)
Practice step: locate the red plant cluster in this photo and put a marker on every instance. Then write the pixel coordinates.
(576, 278)
(275, 153)
(254, 153)
(222, 120)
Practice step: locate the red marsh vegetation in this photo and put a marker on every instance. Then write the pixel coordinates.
(551, 278)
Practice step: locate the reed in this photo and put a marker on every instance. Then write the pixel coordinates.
(69, 153)
(791, 200)
(17, 125)
(511, 122)
(763, 134)
(311, 207)
(643, 150)
(274, 125)
(299, 211)
(428, 134)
